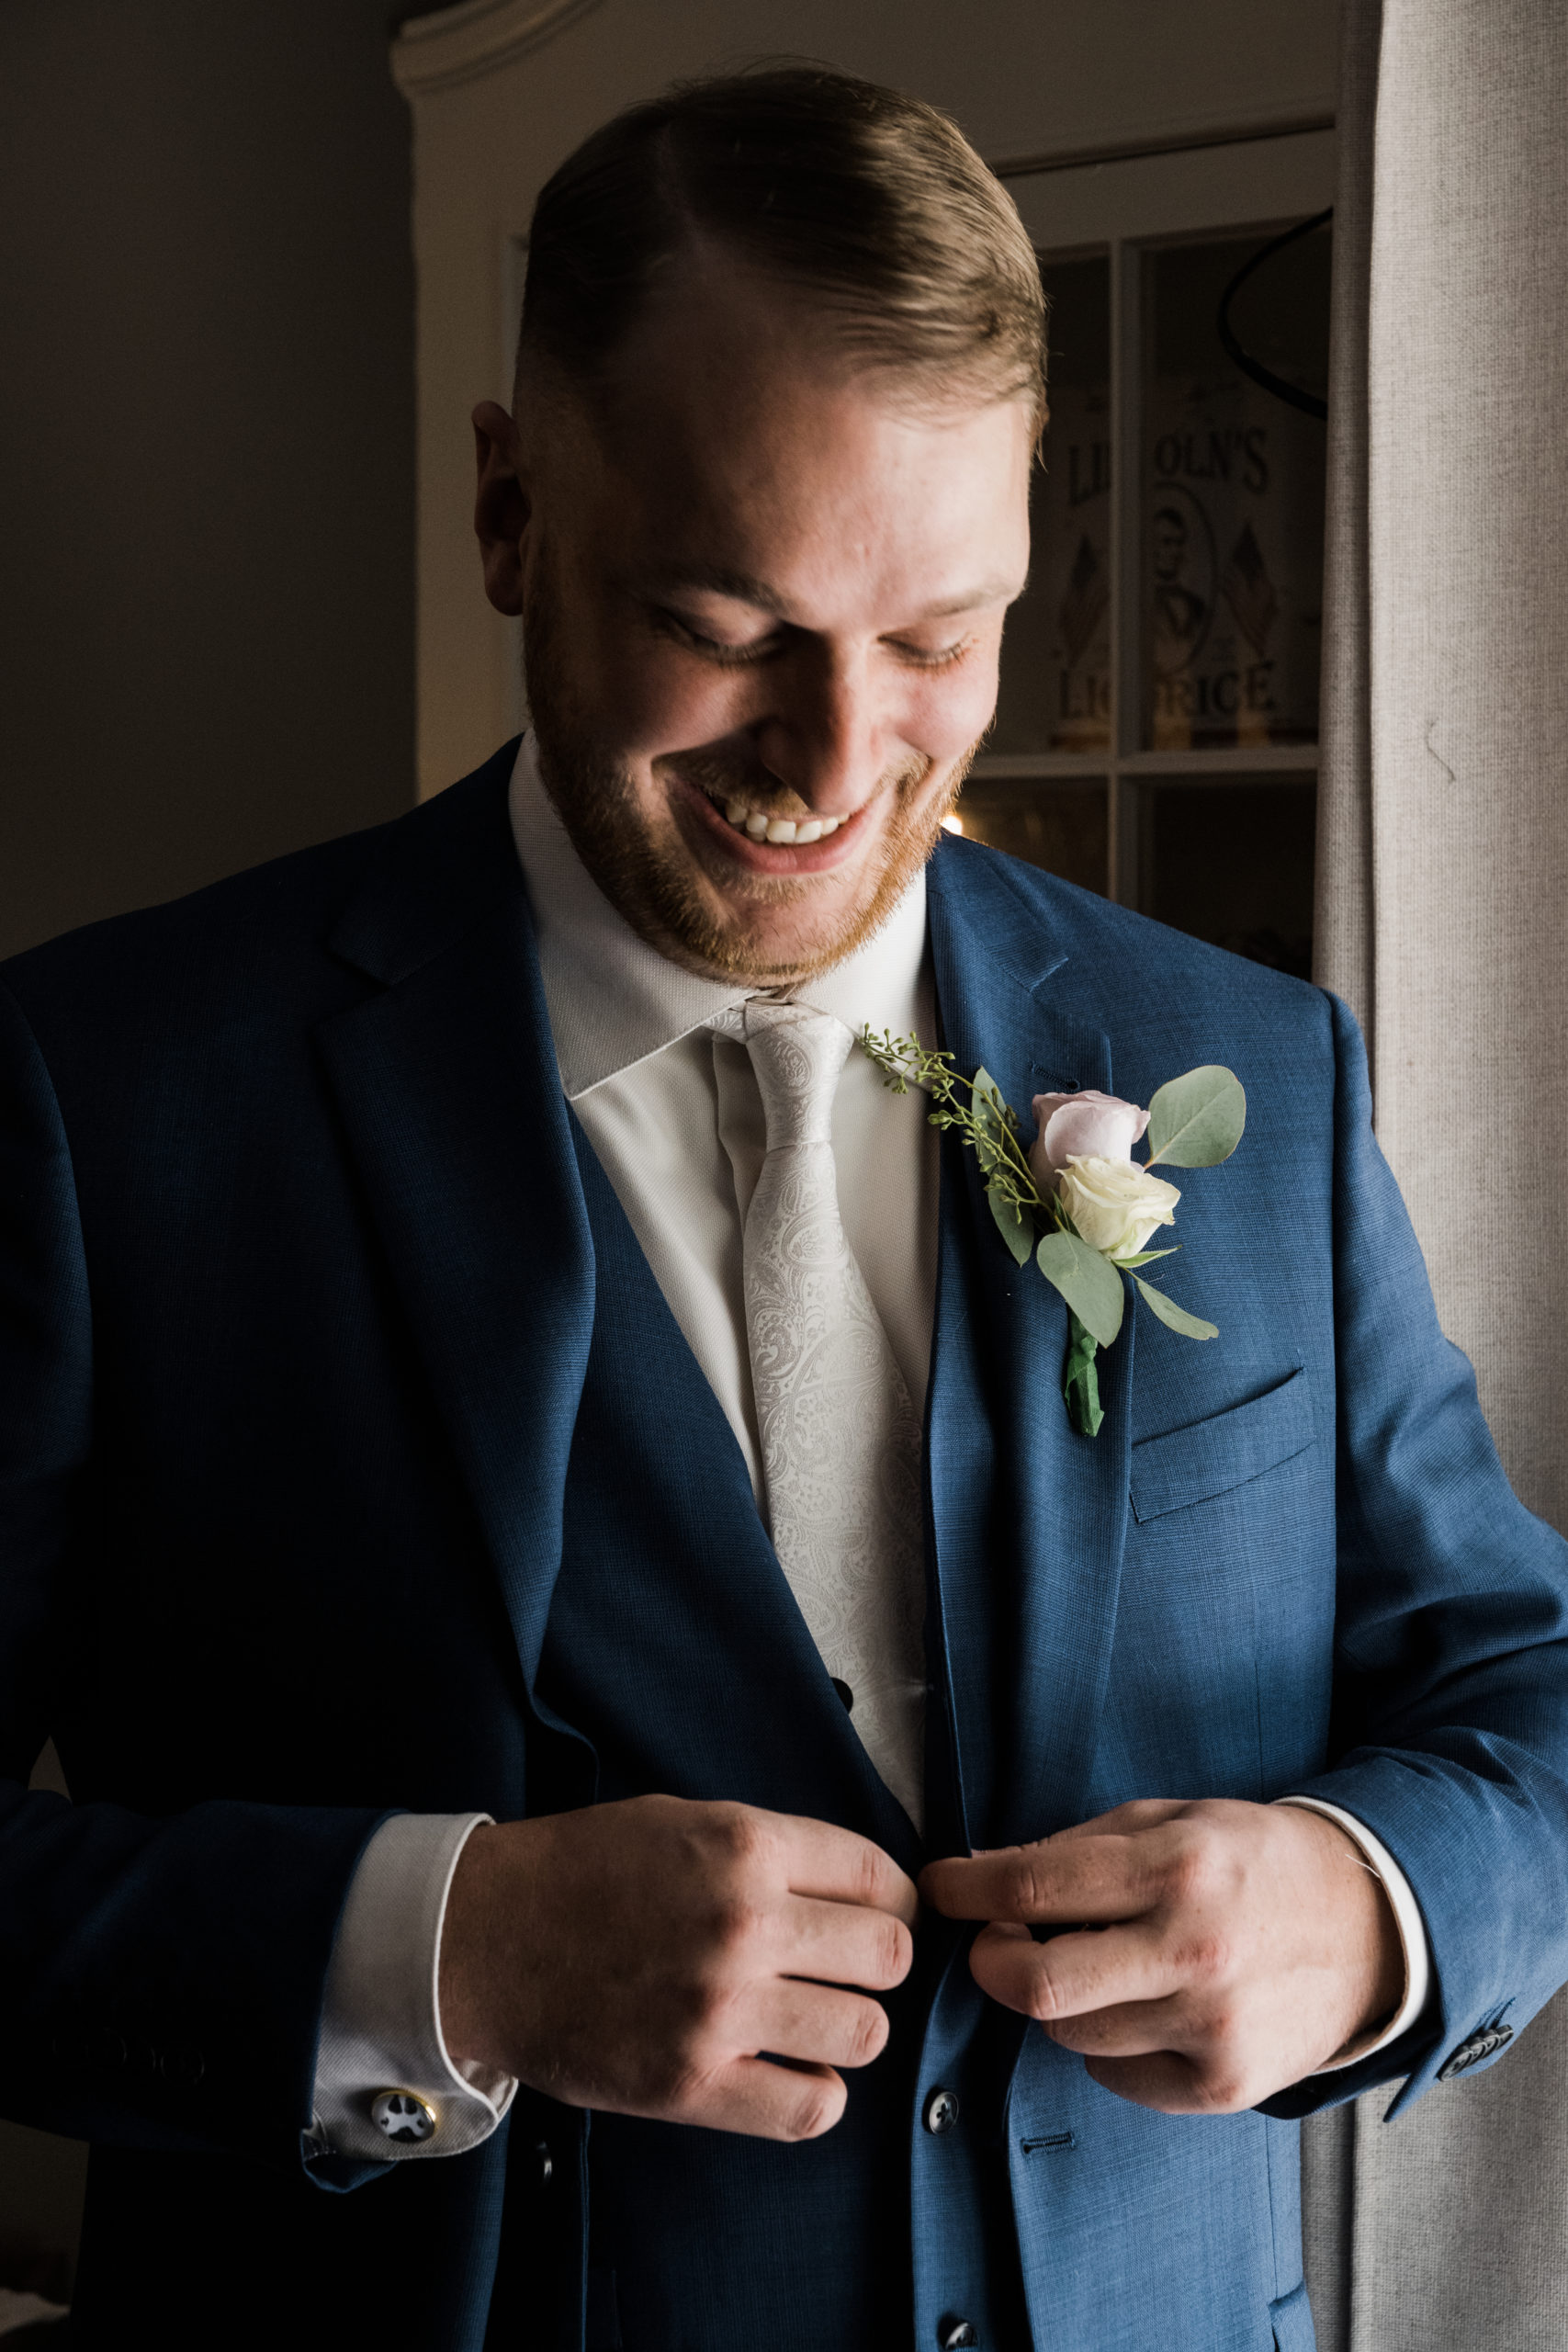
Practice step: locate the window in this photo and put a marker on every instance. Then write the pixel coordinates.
(1155, 734)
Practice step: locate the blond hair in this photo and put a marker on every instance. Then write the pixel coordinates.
(869, 201)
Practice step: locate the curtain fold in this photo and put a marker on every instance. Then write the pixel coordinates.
(1442, 918)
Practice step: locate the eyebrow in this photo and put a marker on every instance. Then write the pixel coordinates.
(743, 588)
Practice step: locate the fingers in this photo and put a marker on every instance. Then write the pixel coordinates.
(1131, 2030)
(768, 2102)
(1169, 2083)
(840, 1945)
(1074, 1975)
(838, 1866)
(1077, 1876)
(815, 2022)
(1138, 1813)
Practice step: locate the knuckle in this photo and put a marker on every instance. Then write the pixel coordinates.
(895, 1949)
(737, 1928)
(1044, 2001)
(1206, 1959)
(676, 2088)
(1222, 2091)
(868, 1880)
(696, 2024)
(1022, 1892)
(739, 1836)
(1189, 1873)
(817, 2112)
(868, 2035)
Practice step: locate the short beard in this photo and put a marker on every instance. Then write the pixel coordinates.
(653, 890)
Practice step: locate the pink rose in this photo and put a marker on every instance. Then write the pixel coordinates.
(1085, 1126)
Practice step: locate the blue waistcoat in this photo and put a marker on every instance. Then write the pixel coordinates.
(675, 1650)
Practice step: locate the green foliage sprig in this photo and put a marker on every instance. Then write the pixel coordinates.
(1195, 1121)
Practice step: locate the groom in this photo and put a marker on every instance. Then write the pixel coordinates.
(610, 1713)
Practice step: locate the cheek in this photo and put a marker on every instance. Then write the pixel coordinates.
(654, 700)
(946, 712)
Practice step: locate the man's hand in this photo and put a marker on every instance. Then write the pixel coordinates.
(638, 1957)
(1213, 1953)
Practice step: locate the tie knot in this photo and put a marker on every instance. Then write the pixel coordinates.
(798, 1055)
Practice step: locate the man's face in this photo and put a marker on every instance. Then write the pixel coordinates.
(763, 602)
(1170, 545)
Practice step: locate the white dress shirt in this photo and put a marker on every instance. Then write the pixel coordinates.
(675, 1118)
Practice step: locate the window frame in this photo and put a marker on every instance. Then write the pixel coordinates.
(1124, 207)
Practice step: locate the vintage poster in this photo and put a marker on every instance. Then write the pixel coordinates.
(1233, 564)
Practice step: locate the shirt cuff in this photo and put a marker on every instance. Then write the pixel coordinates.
(1406, 1918)
(386, 2086)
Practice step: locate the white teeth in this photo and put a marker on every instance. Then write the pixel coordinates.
(760, 827)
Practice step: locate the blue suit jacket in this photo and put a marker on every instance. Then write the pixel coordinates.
(296, 1300)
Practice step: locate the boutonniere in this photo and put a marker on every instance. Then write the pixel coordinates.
(1076, 1200)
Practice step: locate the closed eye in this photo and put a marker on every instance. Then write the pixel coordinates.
(714, 649)
(923, 658)
(728, 655)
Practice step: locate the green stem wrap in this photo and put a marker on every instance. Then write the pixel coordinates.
(1080, 1382)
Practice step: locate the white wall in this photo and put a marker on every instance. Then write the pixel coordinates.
(502, 90)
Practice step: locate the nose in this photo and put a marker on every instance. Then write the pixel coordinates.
(827, 735)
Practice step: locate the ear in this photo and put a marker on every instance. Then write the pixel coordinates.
(501, 506)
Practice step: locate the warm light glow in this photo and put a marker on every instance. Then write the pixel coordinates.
(953, 824)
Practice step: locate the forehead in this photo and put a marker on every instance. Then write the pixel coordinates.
(736, 435)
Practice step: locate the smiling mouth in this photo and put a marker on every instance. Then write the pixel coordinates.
(759, 826)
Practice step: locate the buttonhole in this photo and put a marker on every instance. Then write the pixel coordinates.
(1052, 2140)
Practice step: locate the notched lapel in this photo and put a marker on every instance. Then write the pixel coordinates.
(1029, 1519)
(446, 1084)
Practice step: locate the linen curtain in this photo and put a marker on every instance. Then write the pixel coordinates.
(1442, 916)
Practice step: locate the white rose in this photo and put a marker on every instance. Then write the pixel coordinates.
(1114, 1204)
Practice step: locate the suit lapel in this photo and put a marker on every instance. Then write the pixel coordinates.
(1028, 1518)
(446, 1083)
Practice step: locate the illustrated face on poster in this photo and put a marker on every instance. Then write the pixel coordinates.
(1231, 502)
(1230, 517)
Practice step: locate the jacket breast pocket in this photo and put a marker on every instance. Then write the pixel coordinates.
(1228, 1450)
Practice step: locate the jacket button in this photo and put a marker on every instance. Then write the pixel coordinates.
(546, 2162)
(941, 2114)
(845, 1693)
(953, 2333)
(1472, 2050)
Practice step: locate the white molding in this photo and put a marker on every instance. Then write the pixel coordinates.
(460, 44)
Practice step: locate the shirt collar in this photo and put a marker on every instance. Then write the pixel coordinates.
(614, 999)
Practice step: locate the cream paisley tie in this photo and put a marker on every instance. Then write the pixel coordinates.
(840, 1443)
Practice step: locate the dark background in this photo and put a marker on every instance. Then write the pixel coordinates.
(206, 586)
(206, 521)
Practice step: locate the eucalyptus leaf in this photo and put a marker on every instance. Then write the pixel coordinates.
(1016, 1229)
(989, 1122)
(1192, 1327)
(1197, 1120)
(1089, 1283)
(1147, 1257)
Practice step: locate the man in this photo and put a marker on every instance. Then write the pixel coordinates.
(538, 1505)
